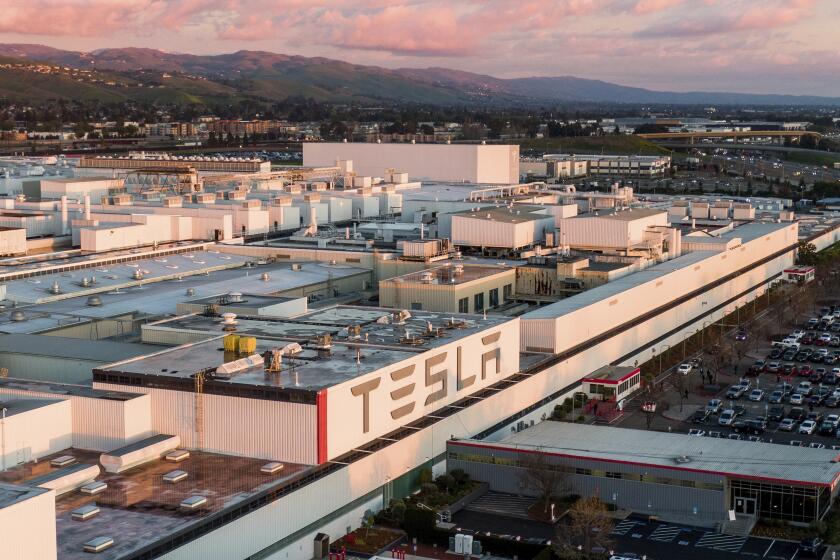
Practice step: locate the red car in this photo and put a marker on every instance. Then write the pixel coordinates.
(806, 370)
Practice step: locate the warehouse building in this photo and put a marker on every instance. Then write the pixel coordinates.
(681, 478)
(452, 288)
(616, 165)
(464, 163)
(502, 230)
(632, 231)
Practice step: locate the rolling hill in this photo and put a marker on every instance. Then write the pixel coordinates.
(271, 76)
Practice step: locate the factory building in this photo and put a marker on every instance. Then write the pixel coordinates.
(616, 165)
(676, 477)
(632, 231)
(134, 161)
(504, 229)
(452, 288)
(463, 163)
(97, 188)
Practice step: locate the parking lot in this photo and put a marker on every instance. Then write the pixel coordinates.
(789, 393)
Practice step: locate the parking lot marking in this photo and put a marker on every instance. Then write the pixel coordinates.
(665, 533)
(769, 547)
(721, 541)
(623, 527)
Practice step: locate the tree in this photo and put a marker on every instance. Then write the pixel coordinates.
(589, 528)
(807, 253)
(542, 476)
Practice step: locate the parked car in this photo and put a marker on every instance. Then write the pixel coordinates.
(735, 392)
(797, 413)
(832, 401)
(805, 370)
(697, 432)
(830, 378)
(807, 427)
(776, 413)
(714, 406)
(789, 355)
(811, 547)
(776, 397)
(815, 416)
(741, 335)
(727, 417)
(700, 416)
(774, 367)
(757, 367)
(803, 355)
(684, 369)
(797, 398)
(790, 369)
(757, 395)
(788, 425)
(775, 354)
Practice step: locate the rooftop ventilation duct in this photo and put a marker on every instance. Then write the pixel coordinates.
(265, 276)
(138, 275)
(55, 288)
(94, 301)
(18, 316)
(229, 321)
(190, 292)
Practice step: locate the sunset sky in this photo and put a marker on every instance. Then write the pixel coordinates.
(782, 46)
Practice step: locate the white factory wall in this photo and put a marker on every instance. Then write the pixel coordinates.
(284, 218)
(340, 209)
(479, 232)
(471, 163)
(390, 203)
(33, 434)
(100, 424)
(12, 242)
(35, 225)
(414, 210)
(444, 297)
(307, 209)
(29, 528)
(597, 232)
(464, 357)
(568, 330)
(365, 207)
(205, 219)
(271, 430)
(97, 190)
(826, 238)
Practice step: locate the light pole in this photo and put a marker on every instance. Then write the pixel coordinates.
(661, 351)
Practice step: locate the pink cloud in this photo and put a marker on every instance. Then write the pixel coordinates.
(645, 7)
(85, 18)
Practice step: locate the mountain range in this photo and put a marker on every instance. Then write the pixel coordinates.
(149, 74)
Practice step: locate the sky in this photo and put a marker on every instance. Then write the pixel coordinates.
(761, 46)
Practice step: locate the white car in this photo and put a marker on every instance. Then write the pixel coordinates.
(797, 398)
(757, 395)
(797, 334)
(684, 369)
(727, 417)
(807, 427)
(696, 432)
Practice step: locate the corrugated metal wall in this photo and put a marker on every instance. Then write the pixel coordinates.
(271, 430)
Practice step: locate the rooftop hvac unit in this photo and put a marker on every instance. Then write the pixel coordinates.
(235, 297)
(55, 288)
(241, 364)
(402, 316)
(427, 277)
(297, 267)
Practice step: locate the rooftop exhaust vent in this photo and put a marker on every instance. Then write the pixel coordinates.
(55, 288)
(682, 459)
(190, 291)
(265, 277)
(18, 316)
(94, 301)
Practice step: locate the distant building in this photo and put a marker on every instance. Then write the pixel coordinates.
(465, 163)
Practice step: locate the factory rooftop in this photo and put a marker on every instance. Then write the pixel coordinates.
(11, 494)
(138, 507)
(626, 215)
(381, 340)
(71, 348)
(450, 274)
(61, 390)
(16, 405)
(155, 298)
(515, 215)
(736, 459)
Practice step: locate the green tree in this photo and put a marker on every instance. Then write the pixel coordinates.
(807, 253)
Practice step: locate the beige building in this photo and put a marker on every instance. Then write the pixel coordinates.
(453, 288)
